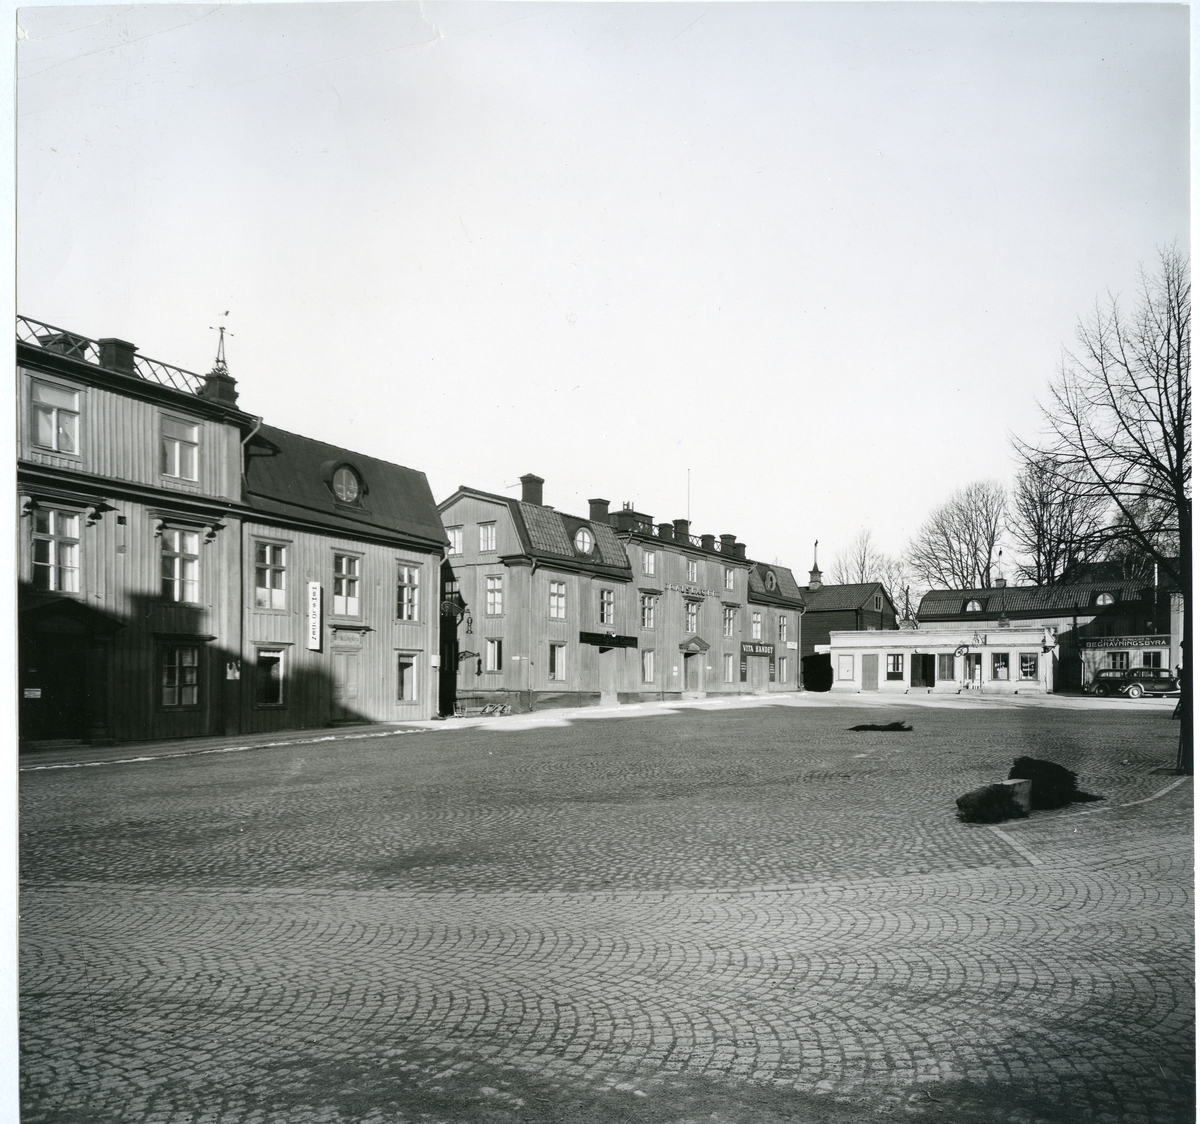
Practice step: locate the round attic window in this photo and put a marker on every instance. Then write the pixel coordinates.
(771, 582)
(974, 607)
(345, 485)
(583, 541)
(1105, 599)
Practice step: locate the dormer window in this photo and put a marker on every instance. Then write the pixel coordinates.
(770, 580)
(583, 541)
(1105, 599)
(346, 485)
(974, 607)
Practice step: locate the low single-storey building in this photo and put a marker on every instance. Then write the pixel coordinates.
(945, 659)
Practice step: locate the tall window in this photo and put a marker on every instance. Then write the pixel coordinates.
(945, 667)
(608, 607)
(558, 601)
(895, 665)
(728, 668)
(1029, 665)
(55, 417)
(495, 596)
(1118, 660)
(647, 561)
(180, 445)
(406, 678)
(180, 677)
(693, 615)
(269, 676)
(648, 612)
(558, 661)
(879, 603)
(728, 617)
(181, 565)
(345, 585)
(493, 655)
(407, 593)
(456, 540)
(55, 550)
(728, 578)
(270, 576)
(756, 626)
(692, 570)
(999, 665)
(648, 665)
(783, 630)
(487, 536)
(782, 676)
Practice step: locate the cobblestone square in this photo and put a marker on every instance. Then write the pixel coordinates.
(725, 913)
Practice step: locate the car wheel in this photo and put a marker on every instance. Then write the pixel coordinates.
(1135, 691)
(1101, 690)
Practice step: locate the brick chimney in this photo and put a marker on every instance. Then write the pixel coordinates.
(666, 532)
(707, 542)
(598, 511)
(117, 355)
(682, 529)
(219, 386)
(727, 542)
(531, 489)
(739, 550)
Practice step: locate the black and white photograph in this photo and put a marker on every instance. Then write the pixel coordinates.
(602, 563)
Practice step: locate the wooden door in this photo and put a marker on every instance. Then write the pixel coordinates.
(870, 671)
(691, 671)
(53, 681)
(345, 686)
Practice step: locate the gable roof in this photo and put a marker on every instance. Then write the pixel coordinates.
(1025, 600)
(289, 476)
(834, 598)
(549, 535)
(785, 591)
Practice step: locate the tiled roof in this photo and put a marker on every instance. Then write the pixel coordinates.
(944, 604)
(546, 531)
(831, 598)
(611, 550)
(786, 588)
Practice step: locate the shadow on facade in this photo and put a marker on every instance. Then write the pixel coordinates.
(87, 675)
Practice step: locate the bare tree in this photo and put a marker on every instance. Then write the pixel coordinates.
(956, 547)
(1055, 521)
(1119, 418)
(904, 587)
(858, 563)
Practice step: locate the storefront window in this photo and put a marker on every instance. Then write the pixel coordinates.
(999, 665)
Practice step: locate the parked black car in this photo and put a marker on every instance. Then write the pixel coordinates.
(1134, 682)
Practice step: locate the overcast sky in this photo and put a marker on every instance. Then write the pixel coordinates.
(822, 255)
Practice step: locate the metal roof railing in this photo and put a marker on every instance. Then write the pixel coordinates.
(75, 346)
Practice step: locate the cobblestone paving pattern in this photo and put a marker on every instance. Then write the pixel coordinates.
(727, 916)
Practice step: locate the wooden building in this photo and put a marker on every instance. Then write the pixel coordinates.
(139, 546)
(548, 609)
(775, 608)
(1099, 622)
(860, 606)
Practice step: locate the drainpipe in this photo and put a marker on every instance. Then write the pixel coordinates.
(242, 608)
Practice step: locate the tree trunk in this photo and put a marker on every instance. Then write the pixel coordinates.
(1183, 761)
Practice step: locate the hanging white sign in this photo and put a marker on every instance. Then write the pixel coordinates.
(314, 616)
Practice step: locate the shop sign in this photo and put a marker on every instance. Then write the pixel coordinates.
(1127, 642)
(604, 640)
(751, 648)
(314, 616)
(691, 590)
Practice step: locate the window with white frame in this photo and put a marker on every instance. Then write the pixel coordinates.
(179, 676)
(270, 576)
(493, 655)
(608, 607)
(692, 570)
(558, 661)
(974, 607)
(180, 565)
(728, 620)
(878, 603)
(692, 609)
(648, 561)
(558, 601)
(895, 665)
(945, 665)
(783, 629)
(782, 670)
(55, 417)
(494, 599)
(1029, 665)
(756, 626)
(584, 541)
(55, 550)
(648, 665)
(487, 537)
(1118, 660)
(999, 665)
(269, 676)
(648, 611)
(180, 449)
(728, 668)
(728, 578)
(454, 534)
(345, 585)
(406, 677)
(408, 579)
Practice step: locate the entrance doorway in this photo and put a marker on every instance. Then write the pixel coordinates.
(692, 678)
(870, 671)
(973, 669)
(345, 686)
(922, 669)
